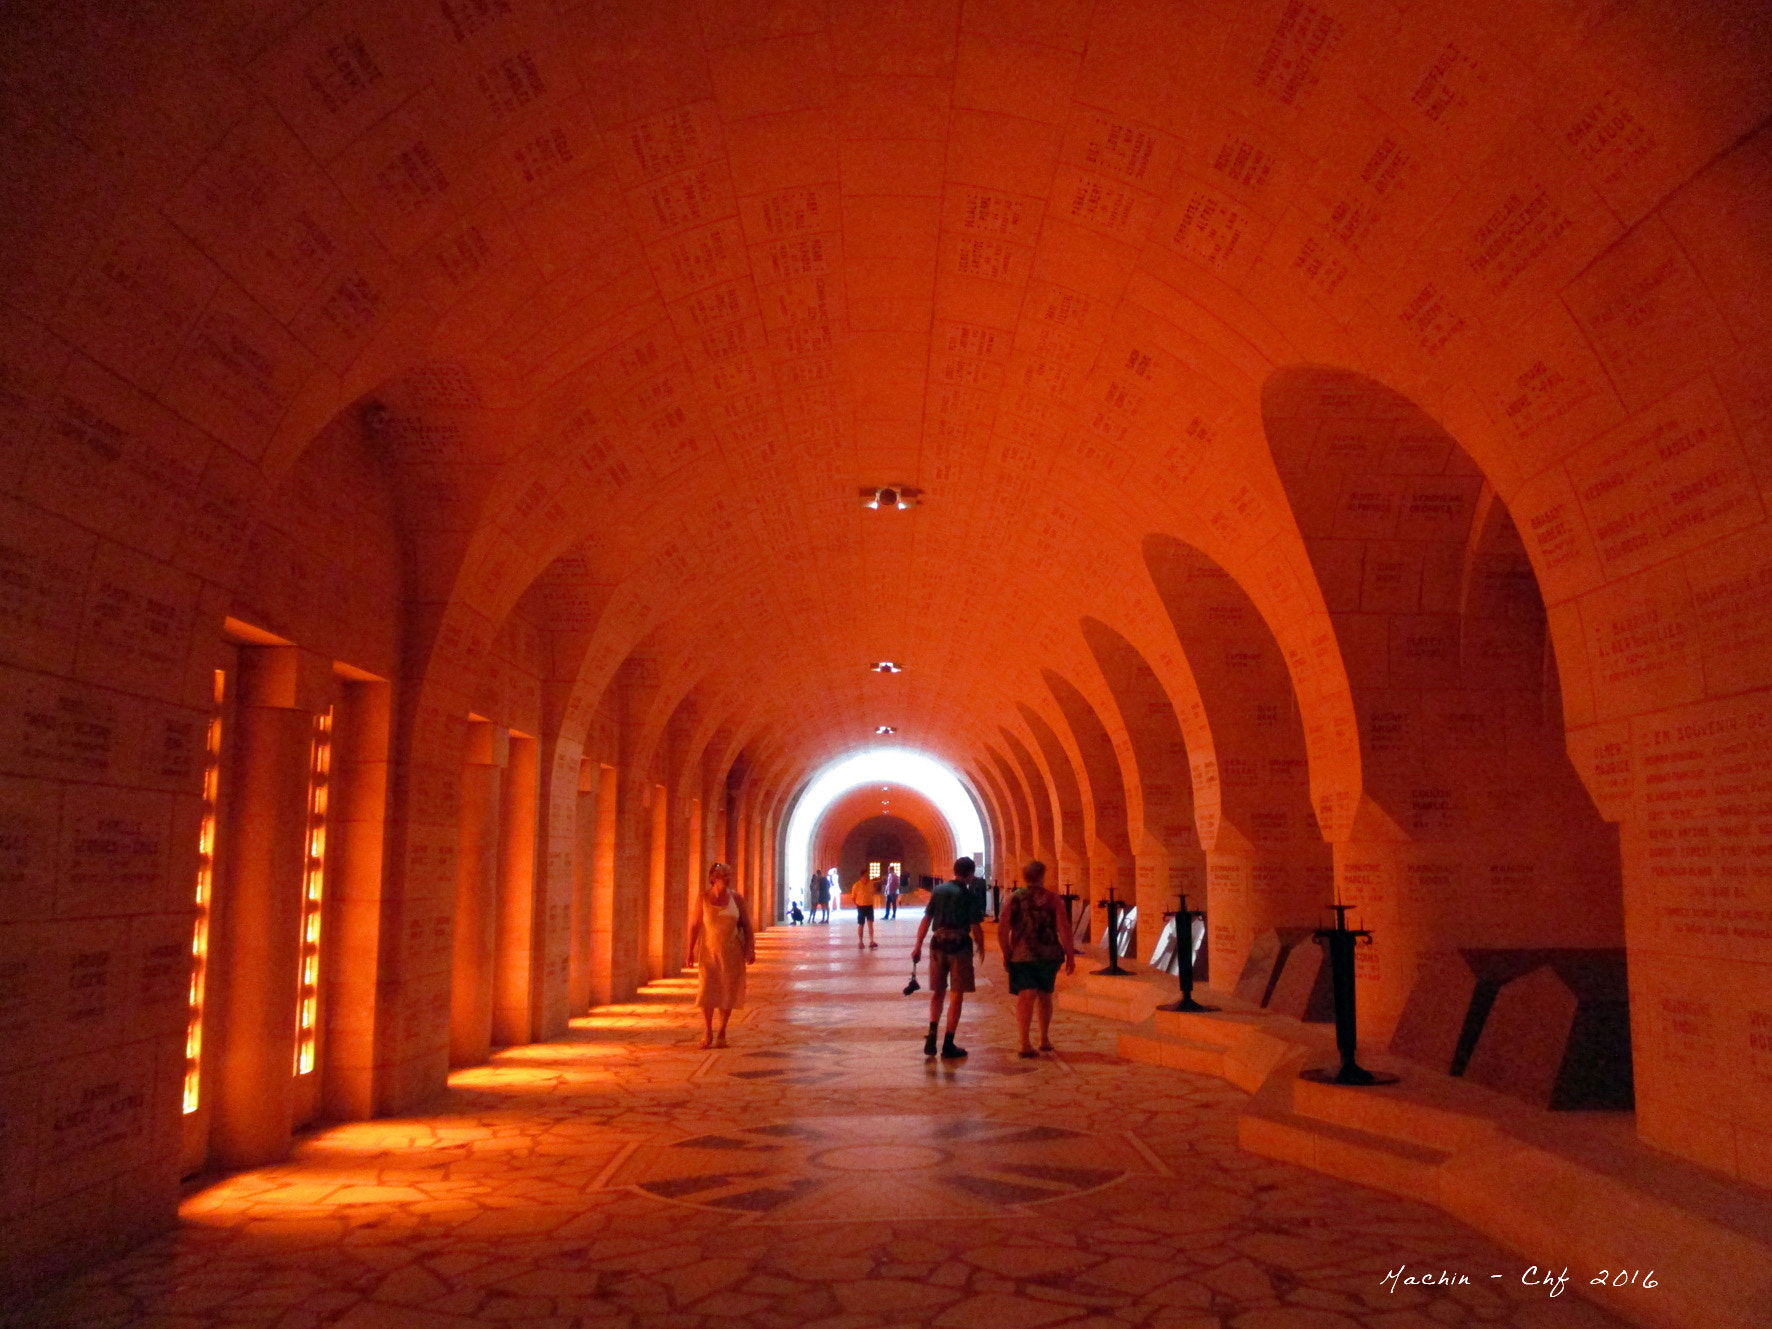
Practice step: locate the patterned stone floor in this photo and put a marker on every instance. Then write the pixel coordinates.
(818, 1174)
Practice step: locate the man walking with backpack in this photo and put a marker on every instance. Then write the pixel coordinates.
(954, 926)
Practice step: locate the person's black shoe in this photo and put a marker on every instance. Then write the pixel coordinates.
(951, 1052)
(929, 1043)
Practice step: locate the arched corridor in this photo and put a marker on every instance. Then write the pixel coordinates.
(471, 469)
(817, 1172)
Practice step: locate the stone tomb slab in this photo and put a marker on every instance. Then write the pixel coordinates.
(1303, 990)
(1559, 1036)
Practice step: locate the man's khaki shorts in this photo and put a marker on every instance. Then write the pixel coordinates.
(955, 963)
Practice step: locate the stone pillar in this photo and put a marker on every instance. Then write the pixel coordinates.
(694, 869)
(355, 922)
(628, 907)
(771, 909)
(657, 891)
(584, 849)
(258, 959)
(513, 964)
(603, 845)
(476, 894)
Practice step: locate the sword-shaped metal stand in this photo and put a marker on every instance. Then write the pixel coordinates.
(1070, 898)
(1184, 956)
(1113, 904)
(1341, 940)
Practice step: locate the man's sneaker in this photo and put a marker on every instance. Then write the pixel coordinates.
(929, 1044)
(950, 1052)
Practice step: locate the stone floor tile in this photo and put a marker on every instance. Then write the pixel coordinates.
(996, 1311)
(1293, 1317)
(817, 1175)
(885, 1296)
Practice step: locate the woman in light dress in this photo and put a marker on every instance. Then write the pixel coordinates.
(721, 943)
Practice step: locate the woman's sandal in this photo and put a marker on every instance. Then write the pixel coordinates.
(1047, 1047)
(1027, 1052)
(720, 1040)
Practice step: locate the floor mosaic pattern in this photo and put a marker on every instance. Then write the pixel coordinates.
(817, 1174)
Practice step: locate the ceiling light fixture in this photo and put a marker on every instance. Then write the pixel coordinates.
(892, 498)
(888, 667)
(884, 729)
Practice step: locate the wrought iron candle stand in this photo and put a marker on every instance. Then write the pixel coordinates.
(1113, 904)
(1341, 940)
(1184, 956)
(1070, 898)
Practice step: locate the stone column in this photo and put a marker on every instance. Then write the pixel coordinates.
(657, 850)
(513, 962)
(476, 894)
(361, 735)
(584, 852)
(603, 887)
(258, 959)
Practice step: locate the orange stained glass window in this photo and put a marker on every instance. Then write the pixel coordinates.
(204, 895)
(307, 1019)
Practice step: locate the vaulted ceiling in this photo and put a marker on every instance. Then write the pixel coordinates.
(633, 299)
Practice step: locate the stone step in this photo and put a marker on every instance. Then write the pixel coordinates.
(1222, 1031)
(1382, 1162)
(1111, 1007)
(1181, 1054)
(1391, 1114)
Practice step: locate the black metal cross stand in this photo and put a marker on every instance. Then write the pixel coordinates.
(1184, 956)
(1070, 898)
(1113, 904)
(1341, 940)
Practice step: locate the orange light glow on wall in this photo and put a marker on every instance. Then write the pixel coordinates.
(307, 1020)
(205, 889)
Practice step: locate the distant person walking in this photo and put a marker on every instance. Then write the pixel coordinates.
(821, 897)
(892, 893)
(955, 929)
(721, 943)
(864, 895)
(1035, 942)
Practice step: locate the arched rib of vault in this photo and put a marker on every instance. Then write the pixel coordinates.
(712, 702)
(1039, 795)
(1002, 864)
(1076, 817)
(1169, 857)
(1473, 821)
(1003, 806)
(1269, 864)
(1018, 791)
(1012, 799)
(1041, 784)
(1110, 850)
(1247, 708)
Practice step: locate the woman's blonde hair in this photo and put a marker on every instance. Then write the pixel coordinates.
(720, 870)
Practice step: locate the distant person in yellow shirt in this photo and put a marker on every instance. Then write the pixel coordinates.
(866, 895)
